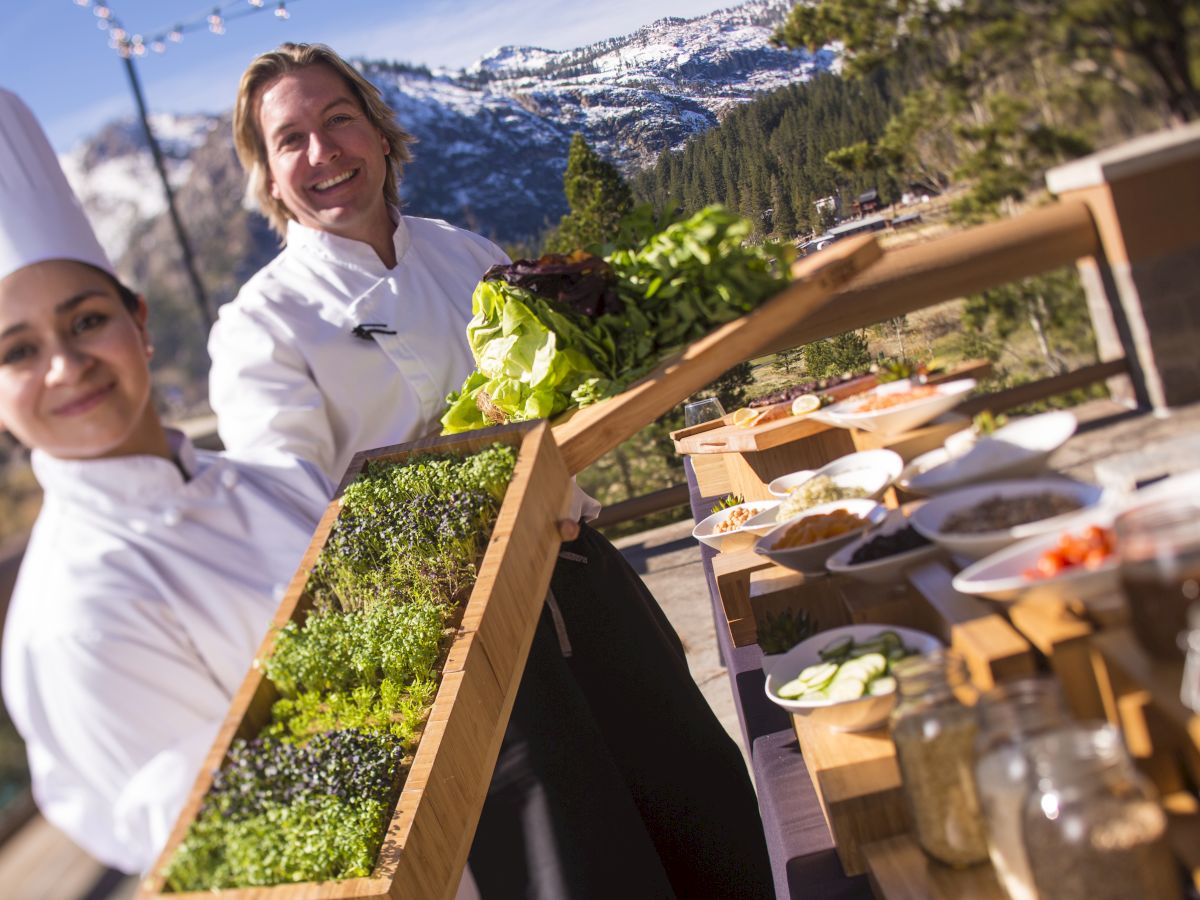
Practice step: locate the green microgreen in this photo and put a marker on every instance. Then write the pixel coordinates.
(309, 798)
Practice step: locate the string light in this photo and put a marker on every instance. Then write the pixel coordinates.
(215, 20)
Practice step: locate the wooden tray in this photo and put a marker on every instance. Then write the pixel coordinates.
(425, 848)
(589, 433)
(726, 437)
(722, 436)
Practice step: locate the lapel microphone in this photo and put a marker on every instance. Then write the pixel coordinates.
(367, 330)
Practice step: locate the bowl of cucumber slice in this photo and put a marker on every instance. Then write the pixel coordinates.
(842, 678)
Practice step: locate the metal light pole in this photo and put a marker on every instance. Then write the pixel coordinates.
(181, 235)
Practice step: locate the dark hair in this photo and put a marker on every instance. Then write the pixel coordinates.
(128, 297)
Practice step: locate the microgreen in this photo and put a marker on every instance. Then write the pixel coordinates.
(309, 798)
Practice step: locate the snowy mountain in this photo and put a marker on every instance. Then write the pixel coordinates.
(114, 175)
(493, 138)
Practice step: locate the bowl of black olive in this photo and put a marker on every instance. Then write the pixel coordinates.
(881, 555)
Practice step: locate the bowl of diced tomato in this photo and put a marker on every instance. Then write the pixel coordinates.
(1076, 564)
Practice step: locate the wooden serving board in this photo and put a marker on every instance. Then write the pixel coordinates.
(723, 436)
(431, 829)
(730, 438)
(589, 433)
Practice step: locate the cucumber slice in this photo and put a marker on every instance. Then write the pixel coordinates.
(897, 653)
(854, 669)
(885, 684)
(837, 649)
(818, 674)
(874, 663)
(792, 690)
(846, 689)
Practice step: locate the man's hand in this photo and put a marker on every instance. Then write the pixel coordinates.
(568, 529)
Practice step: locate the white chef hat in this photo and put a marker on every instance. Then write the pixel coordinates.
(40, 216)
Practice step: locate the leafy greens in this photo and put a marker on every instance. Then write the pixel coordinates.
(552, 334)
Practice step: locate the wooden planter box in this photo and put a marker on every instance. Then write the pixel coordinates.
(431, 829)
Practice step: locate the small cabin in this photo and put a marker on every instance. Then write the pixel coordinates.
(867, 203)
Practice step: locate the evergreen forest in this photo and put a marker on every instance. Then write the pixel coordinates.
(767, 159)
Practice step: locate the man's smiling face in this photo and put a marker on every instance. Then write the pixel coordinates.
(327, 162)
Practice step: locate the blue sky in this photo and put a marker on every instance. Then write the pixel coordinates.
(55, 58)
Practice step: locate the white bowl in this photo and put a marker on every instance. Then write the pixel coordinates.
(810, 559)
(1001, 576)
(706, 530)
(889, 569)
(928, 518)
(899, 418)
(871, 470)
(862, 714)
(1019, 449)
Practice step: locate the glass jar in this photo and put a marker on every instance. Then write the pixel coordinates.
(1093, 827)
(1009, 716)
(1189, 690)
(935, 738)
(1158, 544)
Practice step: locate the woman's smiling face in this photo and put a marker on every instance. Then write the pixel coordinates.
(74, 374)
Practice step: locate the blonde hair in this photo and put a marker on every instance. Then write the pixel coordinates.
(248, 137)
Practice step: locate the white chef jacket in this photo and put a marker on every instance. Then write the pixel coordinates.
(288, 373)
(141, 601)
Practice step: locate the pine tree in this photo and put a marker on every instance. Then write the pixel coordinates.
(1005, 89)
(598, 197)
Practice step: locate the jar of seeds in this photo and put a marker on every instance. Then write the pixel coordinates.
(935, 737)
(1009, 716)
(1093, 827)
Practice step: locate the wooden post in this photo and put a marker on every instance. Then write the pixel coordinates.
(1144, 288)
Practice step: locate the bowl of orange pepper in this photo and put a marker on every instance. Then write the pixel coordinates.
(1078, 564)
(805, 542)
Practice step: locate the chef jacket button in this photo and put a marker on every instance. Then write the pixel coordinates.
(139, 526)
(229, 478)
(171, 517)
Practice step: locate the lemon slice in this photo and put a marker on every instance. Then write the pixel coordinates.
(745, 417)
(805, 404)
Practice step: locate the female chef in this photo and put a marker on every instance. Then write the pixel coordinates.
(350, 339)
(153, 569)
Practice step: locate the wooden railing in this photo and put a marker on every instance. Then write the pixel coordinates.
(944, 268)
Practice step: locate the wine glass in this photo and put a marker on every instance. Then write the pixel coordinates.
(706, 410)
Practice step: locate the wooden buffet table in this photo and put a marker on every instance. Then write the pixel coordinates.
(831, 802)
